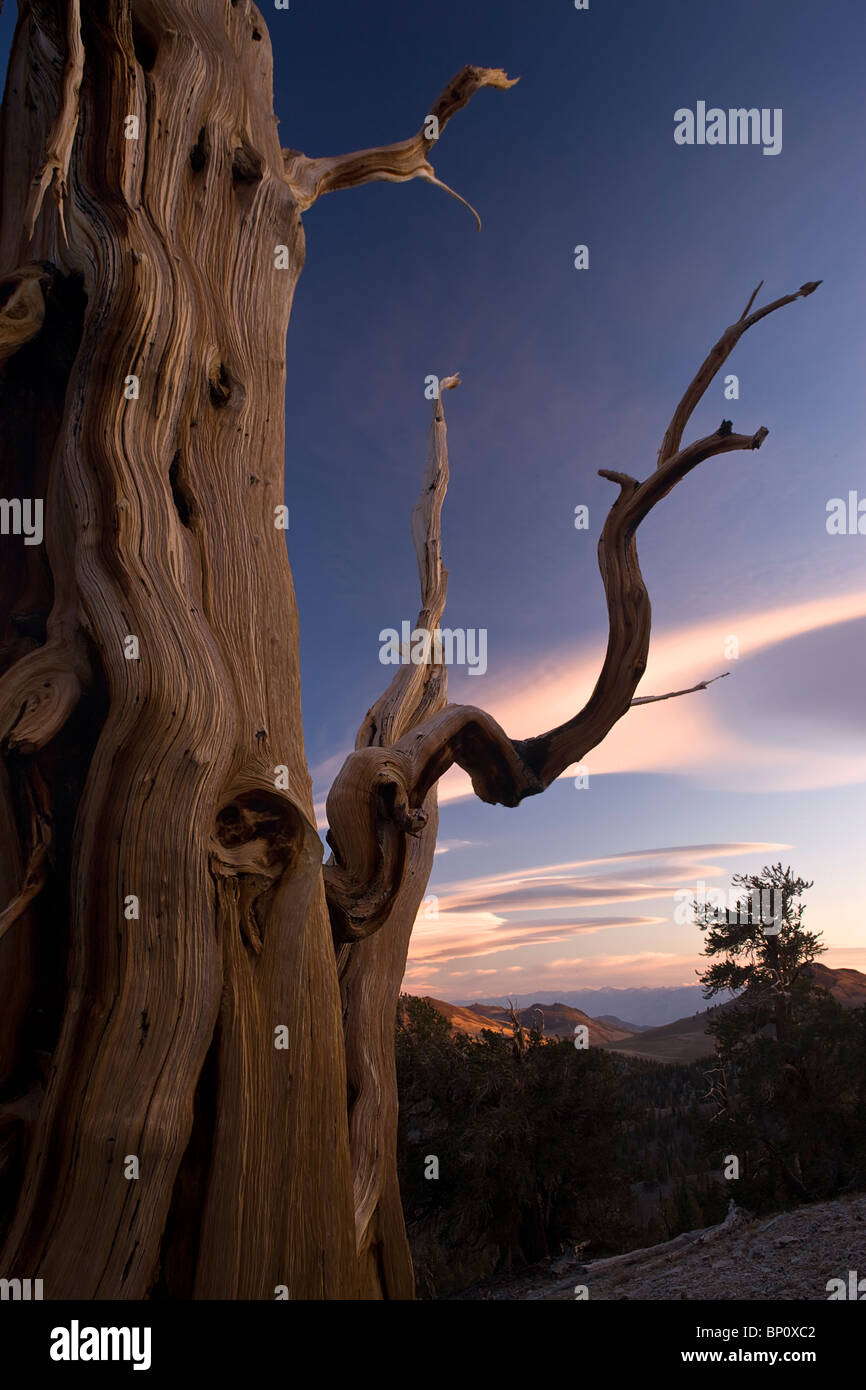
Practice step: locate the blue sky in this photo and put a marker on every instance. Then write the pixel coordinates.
(565, 372)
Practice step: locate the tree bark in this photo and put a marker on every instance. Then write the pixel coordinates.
(188, 998)
(177, 778)
(372, 968)
(160, 524)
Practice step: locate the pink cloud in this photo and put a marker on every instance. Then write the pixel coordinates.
(689, 735)
(686, 735)
(565, 973)
(470, 921)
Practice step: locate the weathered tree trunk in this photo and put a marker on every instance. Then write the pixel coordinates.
(166, 911)
(160, 525)
(176, 778)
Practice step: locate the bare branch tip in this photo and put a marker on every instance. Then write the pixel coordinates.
(625, 480)
(498, 77)
(430, 177)
(755, 293)
(674, 694)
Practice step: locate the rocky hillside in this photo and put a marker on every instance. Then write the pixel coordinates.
(793, 1255)
(467, 1020)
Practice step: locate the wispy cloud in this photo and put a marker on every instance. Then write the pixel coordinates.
(544, 886)
(625, 970)
(688, 736)
(472, 918)
(456, 935)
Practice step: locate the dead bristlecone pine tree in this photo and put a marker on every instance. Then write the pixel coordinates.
(197, 1088)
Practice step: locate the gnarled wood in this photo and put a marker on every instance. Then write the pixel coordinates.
(714, 359)
(382, 815)
(61, 138)
(371, 970)
(164, 914)
(310, 178)
(376, 801)
(177, 778)
(23, 313)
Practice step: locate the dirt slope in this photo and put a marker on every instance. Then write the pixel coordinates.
(789, 1256)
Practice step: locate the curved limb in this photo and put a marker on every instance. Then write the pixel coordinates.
(377, 799)
(406, 159)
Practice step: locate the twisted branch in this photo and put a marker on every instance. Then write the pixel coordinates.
(37, 696)
(377, 798)
(714, 360)
(370, 878)
(407, 159)
(416, 691)
(61, 137)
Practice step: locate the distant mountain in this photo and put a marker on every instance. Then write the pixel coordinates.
(684, 1040)
(687, 1040)
(644, 1008)
(621, 1023)
(650, 1008)
(465, 1020)
(681, 1040)
(554, 1020)
(847, 986)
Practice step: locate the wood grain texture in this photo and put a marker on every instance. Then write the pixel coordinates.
(169, 534)
(154, 258)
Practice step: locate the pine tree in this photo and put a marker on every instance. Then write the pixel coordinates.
(767, 965)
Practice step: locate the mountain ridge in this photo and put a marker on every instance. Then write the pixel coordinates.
(686, 1039)
(557, 1021)
(681, 1040)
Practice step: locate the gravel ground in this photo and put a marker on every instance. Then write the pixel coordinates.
(789, 1256)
